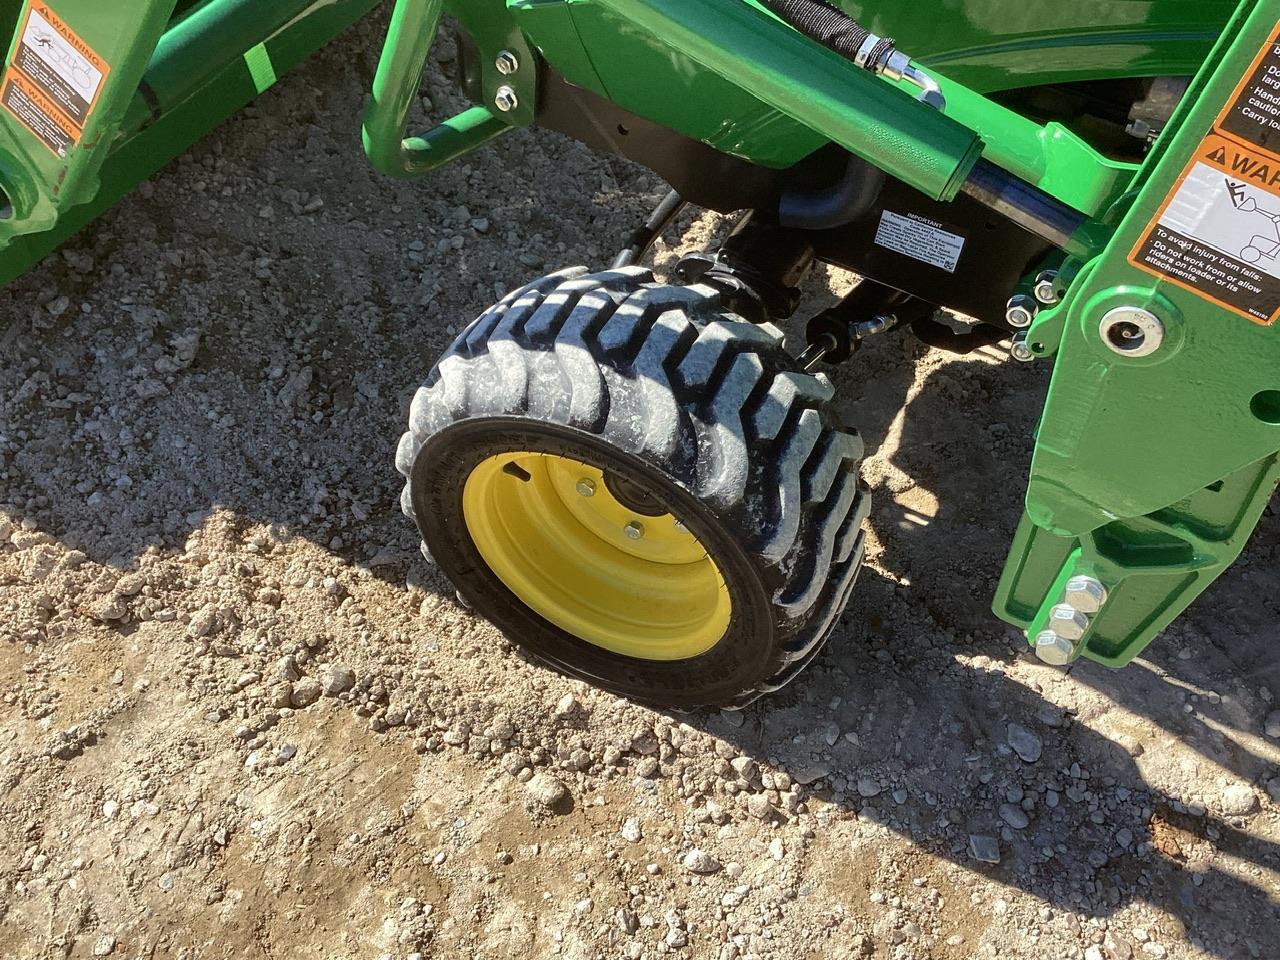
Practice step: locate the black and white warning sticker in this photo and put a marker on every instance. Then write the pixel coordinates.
(28, 105)
(921, 239)
(62, 66)
(54, 79)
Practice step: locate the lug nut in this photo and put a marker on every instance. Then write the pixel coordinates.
(634, 530)
(1020, 311)
(585, 487)
(1019, 349)
(507, 63)
(1046, 288)
(1053, 649)
(506, 100)
(1085, 594)
(1066, 621)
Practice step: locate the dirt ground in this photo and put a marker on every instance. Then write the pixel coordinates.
(242, 717)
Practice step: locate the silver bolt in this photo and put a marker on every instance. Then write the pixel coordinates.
(1054, 649)
(1085, 594)
(506, 100)
(586, 487)
(1019, 349)
(507, 63)
(1066, 621)
(1046, 286)
(1131, 331)
(634, 530)
(1020, 311)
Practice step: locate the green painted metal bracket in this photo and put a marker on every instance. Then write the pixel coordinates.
(1157, 449)
(209, 62)
(71, 70)
(508, 77)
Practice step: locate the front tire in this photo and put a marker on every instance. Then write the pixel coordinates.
(640, 488)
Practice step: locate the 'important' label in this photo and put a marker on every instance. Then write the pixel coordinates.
(53, 80)
(1218, 232)
(920, 239)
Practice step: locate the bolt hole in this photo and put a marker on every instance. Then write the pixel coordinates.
(1265, 405)
(1037, 347)
(1126, 336)
(624, 129)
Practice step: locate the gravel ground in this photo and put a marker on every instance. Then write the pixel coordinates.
(242, 717)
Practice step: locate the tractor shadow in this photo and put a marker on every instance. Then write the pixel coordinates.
(903, 721)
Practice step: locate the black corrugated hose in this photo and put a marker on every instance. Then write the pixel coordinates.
(831, 27)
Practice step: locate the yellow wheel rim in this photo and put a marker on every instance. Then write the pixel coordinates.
(552, 531)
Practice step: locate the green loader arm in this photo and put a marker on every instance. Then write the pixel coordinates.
(1157, 450)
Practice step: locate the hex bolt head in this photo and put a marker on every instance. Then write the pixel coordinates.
(507, 63)
(506, 100)
(1085, 594)
(1046, 288)
(634, 530)
(1068, 622)
(586, 487)
(1021, 310)
(1019, 349)
(1053, 649)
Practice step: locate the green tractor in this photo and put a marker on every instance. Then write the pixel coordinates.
(633, 479)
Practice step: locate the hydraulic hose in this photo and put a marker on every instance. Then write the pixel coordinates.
(833, 28)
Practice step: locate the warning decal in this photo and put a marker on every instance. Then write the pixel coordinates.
(53, 80)
(29, 106)
(921, 239)
(1218, 233)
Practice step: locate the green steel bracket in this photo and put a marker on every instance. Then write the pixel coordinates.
(508, 75)
(63, 108)
(1156, 452)
(212, 59)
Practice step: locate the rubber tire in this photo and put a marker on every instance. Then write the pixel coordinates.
(660, 383)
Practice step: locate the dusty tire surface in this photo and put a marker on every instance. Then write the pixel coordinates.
(241, 717)
(663, 377)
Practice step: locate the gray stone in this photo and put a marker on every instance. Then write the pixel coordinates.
(1271, 726)
(1014, 816)
(337, 678)
(984, 848)
(699, 861)
(1237, 800)
(1024, 742)
(305, 692)
(867, 787)
(546, 791)
(758, 806)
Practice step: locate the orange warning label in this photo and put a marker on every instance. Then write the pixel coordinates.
(54, 79)
(37, 113)
(1218, 232)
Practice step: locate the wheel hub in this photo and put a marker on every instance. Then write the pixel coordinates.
(597, 554)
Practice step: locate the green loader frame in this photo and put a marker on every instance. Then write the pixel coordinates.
(1155, 298)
